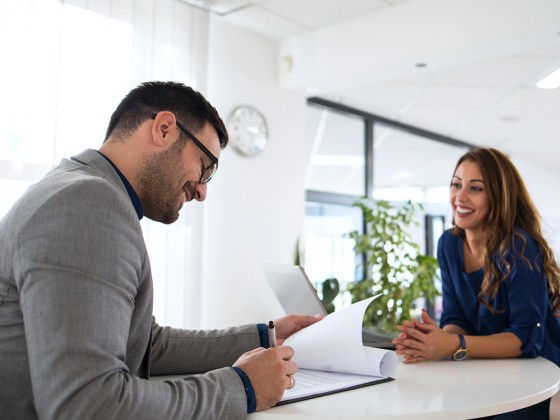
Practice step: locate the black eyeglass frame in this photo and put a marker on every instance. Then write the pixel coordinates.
(214, 159)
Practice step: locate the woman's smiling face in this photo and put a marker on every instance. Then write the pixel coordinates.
(468, 197)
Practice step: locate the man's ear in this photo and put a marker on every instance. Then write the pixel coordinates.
(164, 122)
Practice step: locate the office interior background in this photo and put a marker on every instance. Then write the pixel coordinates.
(361, 97)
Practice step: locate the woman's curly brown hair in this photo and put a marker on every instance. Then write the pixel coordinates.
(511, 208)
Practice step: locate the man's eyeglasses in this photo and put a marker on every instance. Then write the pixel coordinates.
(208, 172)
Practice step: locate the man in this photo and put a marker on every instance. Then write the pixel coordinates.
(77, 336)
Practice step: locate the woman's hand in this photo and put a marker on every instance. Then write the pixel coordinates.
(424, 340)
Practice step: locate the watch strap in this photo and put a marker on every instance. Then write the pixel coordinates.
(462, 341)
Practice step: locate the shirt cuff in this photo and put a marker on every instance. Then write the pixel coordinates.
(263, 335)
(249, 391)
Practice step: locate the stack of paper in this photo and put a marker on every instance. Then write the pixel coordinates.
(331, 357)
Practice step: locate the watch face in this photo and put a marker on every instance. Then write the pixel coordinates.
(247, 130)
(460, 354)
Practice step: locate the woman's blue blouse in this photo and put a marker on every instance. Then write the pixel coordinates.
(522, 303)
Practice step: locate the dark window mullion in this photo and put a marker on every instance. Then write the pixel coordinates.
(369, 155)
(368, 182)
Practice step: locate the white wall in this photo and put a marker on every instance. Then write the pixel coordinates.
(541, 184)
(255, 206)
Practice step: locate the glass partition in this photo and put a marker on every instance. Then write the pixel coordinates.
(411, 167)
(352, 154)
(326, 251)
(335, 149)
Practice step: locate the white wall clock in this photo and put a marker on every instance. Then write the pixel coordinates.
(248, 131)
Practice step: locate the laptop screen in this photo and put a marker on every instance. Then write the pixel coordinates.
(293, 289)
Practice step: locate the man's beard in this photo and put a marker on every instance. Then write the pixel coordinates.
(161, 199)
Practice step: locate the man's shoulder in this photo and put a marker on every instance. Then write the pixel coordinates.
(70, 191)
(81, 187)
(89, 165)
(88, 173)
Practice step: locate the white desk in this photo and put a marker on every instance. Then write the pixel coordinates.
(436, 390)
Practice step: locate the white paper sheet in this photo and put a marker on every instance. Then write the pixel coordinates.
(334, 344)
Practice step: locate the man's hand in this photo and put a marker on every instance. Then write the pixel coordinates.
(290, 324)
(268, 371)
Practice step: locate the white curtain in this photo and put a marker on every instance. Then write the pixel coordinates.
(65, 66)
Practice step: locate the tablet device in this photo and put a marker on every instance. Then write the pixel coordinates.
(293, 289)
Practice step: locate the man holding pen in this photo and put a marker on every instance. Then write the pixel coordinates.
(272, 343)
(77, 336)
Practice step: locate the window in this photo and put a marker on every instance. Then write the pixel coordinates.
(60, 83)
(325, 227)
(409, 166)
(352, 154)
(336, 150)
(60, 62)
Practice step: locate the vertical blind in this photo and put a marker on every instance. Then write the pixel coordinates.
(65, 66)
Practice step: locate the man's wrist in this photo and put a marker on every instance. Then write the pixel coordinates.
(263, 335)
(249, 391)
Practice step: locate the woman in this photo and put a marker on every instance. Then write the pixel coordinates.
(500, 280)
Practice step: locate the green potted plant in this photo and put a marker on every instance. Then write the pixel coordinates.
(393, 266)
(329, 291)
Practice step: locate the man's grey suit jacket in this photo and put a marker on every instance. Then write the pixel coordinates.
(77, 336)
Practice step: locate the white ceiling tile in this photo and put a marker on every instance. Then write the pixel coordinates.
(550, 51)
(521, 119)
(505, 71)
(384, 93)
(320, 13)
(443, 120)
(265, 22)
(548, 126)
(479, 136)
(492, 128)
(459, 96)
(545, 100)
(542, 151)
(540, 142)
(422, 76)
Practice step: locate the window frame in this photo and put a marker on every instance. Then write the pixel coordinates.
(370, 120)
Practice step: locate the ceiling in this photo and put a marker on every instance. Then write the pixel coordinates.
(478, 85)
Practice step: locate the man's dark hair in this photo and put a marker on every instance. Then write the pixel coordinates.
(188, 105)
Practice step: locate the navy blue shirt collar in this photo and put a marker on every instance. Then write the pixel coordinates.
(132, 194)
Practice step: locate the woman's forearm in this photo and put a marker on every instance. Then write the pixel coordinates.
(495, 346)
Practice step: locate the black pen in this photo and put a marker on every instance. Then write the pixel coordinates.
(271, 334)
